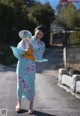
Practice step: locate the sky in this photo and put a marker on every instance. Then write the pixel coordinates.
(54, 3)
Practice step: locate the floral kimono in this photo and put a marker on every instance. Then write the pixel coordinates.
(26, 69)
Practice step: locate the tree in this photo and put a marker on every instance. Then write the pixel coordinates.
(68, 17)
(13, 17)
(30, 3)
(6, 21)
(70, 20)
(20, 16)
(74, 38)
(42, 15)
(16, 15)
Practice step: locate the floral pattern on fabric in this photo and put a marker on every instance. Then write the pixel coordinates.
(26, 70)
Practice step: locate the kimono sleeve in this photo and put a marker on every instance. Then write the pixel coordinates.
(21, 45)
(40, 52)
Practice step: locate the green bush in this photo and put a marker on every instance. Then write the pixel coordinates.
(74, 38)
(6, 55)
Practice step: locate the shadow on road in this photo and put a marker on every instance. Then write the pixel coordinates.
(37, 113)
(22, 111)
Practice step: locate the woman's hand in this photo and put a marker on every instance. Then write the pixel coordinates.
(30, 46)
(26, 40)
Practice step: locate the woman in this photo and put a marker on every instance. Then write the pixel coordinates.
(26, 68)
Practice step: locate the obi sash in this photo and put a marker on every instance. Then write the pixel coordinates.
(29, 55)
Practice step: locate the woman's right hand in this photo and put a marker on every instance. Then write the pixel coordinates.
(30, 46)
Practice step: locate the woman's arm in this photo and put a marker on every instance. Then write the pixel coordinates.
(39, 53)
(23, 45)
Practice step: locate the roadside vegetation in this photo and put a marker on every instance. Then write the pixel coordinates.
(16, 15)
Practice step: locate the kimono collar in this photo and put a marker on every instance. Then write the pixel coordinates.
(36, 40)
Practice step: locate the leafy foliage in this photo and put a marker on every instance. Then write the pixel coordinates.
(42, 15)
(74, 38)
(68, 18)
(16, 15)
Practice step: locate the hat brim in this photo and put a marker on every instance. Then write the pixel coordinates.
(25, 34)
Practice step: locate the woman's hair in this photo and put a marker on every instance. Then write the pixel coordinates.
(41, 28)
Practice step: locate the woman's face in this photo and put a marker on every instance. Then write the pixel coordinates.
(38, 34)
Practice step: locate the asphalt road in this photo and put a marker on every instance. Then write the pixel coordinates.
(50, 99)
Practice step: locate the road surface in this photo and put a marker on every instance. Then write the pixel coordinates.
(50, 99)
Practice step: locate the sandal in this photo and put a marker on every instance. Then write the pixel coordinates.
(30, 111)
(18, 108)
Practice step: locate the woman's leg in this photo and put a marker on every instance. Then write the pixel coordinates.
(19, 103)
(19, 95)
(18, 107)
(30, 111)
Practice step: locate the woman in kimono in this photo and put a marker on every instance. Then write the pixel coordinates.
(26, 68)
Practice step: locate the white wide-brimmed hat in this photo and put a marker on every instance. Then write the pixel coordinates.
(25, 34)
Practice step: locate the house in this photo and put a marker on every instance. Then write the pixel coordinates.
(57, 33)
